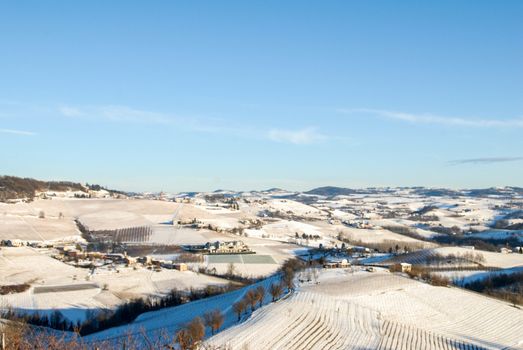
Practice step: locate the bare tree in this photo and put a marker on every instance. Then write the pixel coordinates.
(275, 290)
(213, 320)
(183, 339)
(288, 278)
(260, 294)
(191, 335)
(231, 270)
(251, 298)
(513, 299)
(239, 308)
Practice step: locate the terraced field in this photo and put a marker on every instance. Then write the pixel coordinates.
(397, 336)
(378, 311)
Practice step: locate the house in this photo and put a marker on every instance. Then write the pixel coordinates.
(129, 260)
(229, 247)
(167, 264)
(406, 267)
(336, 264)
(329, 265)
(145, 260)
(13, 243)
(343, 263)
(180, 267)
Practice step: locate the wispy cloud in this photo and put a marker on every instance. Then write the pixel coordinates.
(437, 119)
(69, 111)
(297, 137)
(486, 160)
(17, 132)
(124, 114)
(116, 113)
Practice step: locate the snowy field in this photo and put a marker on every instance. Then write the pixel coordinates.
(500, 234)
(491, 259)
(59, 286)
(174, 235)
(166, 322)
(346, 310)
(32, 228)
(378, 311)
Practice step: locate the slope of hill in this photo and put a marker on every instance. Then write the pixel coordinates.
(12, 187)
(378, 310)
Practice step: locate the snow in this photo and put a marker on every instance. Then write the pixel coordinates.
(112, 220)
(480, 275)
(168, 321)
(377, 310)
(346, 310)
(28, 265)
(500, 234)
(492, 259)
(293, 206)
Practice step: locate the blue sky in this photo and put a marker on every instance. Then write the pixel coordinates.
(179, 96)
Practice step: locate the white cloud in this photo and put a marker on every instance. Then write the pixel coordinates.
(298, 137)
(436, 119)
(17, 132)
(124, 114)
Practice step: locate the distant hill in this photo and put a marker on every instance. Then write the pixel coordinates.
(13, 187)
(274, 189)
(494, 191)
(437, 192)
(331, 191)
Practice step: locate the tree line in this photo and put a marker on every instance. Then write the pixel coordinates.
(36, 332)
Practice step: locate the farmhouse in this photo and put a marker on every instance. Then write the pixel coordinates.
(130, 260)
(230, 247)
(13, 243)
(145, 260)
(180, 267)
(336, 264)
(405, 267)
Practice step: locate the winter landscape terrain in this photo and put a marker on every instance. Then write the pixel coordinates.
(380, 268)
(261, 175)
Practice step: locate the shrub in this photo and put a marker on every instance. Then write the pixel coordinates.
(14, 288)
